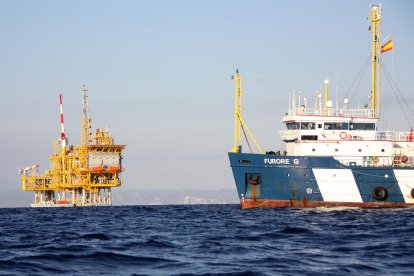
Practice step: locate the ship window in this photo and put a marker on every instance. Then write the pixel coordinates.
(369, 126)
(307, 125)
(382, 150)
(309, 137)
(313, 149)
(319, 125)
(328, 126)
(339, 126)
(362, 126)
(245, 161)
(292, 125)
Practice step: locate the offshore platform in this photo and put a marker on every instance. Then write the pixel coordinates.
(79, 175)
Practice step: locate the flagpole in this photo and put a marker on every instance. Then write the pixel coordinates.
(379, 74)
(392, 69)
(388, 46)
(393, 81)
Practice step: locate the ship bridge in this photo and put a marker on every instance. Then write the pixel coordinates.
(349, 135)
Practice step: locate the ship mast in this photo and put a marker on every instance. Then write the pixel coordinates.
(374, 16)
(239, 123)
(237, 109)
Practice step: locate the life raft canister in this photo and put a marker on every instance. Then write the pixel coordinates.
(380, 193)
(404, 159)
(410, 136)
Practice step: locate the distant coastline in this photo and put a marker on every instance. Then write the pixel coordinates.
(15, 198)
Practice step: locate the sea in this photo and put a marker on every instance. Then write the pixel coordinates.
(206, 240)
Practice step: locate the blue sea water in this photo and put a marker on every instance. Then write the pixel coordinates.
(206, 240)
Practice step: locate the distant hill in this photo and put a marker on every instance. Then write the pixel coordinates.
(18, 198)
(163, 197)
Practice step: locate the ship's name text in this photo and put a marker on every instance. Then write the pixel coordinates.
(280, 161)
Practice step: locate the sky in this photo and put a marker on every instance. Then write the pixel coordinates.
(159, 77)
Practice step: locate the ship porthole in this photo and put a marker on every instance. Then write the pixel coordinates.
(380, 193)
(359, 150)
(382, 150)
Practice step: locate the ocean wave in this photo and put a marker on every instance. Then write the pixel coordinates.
(205, 240)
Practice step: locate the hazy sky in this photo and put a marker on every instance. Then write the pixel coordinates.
(158, 75)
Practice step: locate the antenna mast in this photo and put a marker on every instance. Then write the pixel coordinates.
(326, 96)
(85, 139)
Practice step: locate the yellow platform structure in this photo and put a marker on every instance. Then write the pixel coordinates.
(80, 175)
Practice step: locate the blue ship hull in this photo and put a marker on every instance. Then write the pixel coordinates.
(264, 180)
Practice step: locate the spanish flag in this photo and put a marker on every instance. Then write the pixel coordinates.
(387, 46)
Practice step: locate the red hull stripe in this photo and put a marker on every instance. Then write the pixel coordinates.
(250, 203)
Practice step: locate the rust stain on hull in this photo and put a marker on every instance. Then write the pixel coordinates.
(254, 192)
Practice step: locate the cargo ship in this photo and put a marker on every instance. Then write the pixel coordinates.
(80, 175)
(335, 155)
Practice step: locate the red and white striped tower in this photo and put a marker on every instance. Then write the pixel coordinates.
(62, 127)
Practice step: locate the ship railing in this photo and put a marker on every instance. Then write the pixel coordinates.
(358, 112)
(290, 135)
(394, 136)
(294, 134)
(375, 161)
